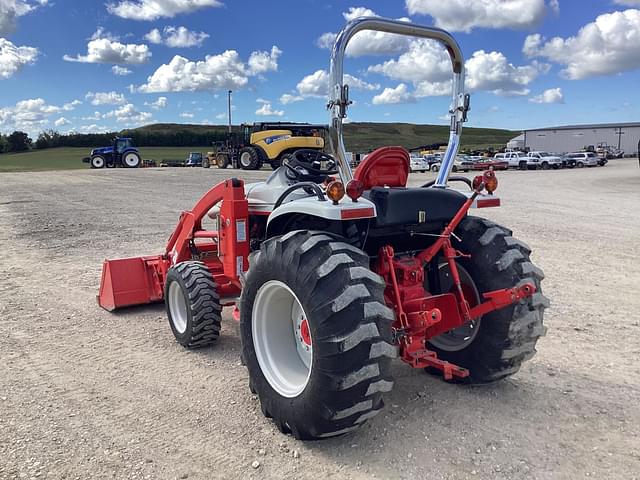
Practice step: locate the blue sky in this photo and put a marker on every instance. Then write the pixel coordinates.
(97, 66)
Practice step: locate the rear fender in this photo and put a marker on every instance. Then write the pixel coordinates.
(346, 209)
(320, 213)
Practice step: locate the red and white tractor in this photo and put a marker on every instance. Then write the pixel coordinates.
(332, 273)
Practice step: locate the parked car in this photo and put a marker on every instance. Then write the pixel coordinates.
(459, 164)
(514, 159)
(418, 164)
(543, 160)
(194, 160)
(584, 159)
(496, 163)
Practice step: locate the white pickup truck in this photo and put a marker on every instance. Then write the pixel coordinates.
(543, 160)
(515, 159)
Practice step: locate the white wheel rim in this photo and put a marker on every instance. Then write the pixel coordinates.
(131, 159)
(245, 159)
(98, 162)
(177, 307)
(279, 339)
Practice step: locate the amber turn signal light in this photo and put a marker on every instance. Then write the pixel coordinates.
(490, 181)
(335, 191)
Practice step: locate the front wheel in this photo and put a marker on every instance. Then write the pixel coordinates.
(435, 167)
(545, 166)
(494, 346)
(316, 335)
(193, 304)
(222, 161)
(580, 165)
(97, 162)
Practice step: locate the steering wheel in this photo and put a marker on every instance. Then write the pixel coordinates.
(309, 165)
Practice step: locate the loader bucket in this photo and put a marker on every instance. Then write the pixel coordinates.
(131, 281)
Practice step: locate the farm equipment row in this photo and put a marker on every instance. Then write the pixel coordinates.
(332, 277)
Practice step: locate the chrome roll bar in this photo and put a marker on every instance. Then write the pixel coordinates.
(339, 92)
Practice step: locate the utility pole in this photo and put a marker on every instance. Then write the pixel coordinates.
(229, 105)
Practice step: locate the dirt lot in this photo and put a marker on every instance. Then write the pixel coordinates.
(89, 394)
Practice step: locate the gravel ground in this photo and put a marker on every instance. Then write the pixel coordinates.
(89, 394)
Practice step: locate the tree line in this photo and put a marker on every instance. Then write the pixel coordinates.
(20, 141)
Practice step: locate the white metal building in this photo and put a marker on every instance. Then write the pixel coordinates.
(570, 138)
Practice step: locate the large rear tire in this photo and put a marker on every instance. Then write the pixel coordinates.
(193, 304)
(131, 160)
(249, 158)
(504, 339)
(316, 335)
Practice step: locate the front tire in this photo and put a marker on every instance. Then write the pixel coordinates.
(335, 384)
(97, 162)
(222, 161)
(193, 304)
(505, 338)
(435, 167)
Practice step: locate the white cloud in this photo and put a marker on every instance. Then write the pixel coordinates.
(609, 45)
(67, 107)
(317, 85)
(102, 33)
(106, 98)
(13, 58)
(359, 84)
(10, 10)
(399, 94)
(155, 9)
(129, 115)
(154, 36)
(93, 128)
(262, 62)
(95, 116)
(484, 71)
(161, 102)
(551, 95)
(411, 66)
(314, 85)
(266, 110)
(107, 50)
(463, 15)
(120, 71)
(288, 98)
(222, 71)
(29, 115)
(176, 37)
(367, 42)
(187, 115)
(221, 116)
(492, 72)
(61, 122)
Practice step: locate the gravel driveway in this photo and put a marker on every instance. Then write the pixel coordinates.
(89, 394)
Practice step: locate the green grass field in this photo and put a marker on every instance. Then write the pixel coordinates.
(67, 158)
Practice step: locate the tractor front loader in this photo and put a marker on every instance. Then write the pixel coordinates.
(332, 273)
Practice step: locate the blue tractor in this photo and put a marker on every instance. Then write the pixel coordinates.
(121, 154)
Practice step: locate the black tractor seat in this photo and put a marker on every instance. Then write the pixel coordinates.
(408, 206)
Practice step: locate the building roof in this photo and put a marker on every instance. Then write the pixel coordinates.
(587, 125)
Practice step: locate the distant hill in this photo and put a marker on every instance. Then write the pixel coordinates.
(365, 136)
